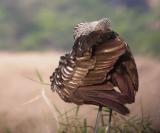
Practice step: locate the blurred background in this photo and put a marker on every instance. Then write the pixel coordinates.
(33, 35)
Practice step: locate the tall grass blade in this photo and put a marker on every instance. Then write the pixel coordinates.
(39, 76)
(32, 100)
(34, 80)
(51, 107)
(77, 110)
(84, 126)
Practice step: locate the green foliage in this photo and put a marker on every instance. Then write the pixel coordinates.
(71, 122)
(42, 25)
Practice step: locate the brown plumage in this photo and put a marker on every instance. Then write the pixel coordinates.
(99, 70)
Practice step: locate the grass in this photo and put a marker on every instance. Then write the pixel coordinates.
(71, 122)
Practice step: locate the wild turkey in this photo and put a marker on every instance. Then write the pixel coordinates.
(100, 69)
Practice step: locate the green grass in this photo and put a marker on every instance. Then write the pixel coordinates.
(71, 122)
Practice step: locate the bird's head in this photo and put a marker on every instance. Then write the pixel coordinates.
(84, 29)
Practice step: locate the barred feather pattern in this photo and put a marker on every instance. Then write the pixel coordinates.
(104, 74)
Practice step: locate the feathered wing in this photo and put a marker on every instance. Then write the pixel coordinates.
(97, 89)
(117, 69)
(125, 75)
(69, 76)
(91, 77)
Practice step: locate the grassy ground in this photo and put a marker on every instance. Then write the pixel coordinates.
(20, 115)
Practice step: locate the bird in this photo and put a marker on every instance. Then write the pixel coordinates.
(99, 70)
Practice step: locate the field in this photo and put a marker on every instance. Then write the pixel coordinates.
(23, 110)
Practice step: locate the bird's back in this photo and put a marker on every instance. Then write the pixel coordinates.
(105, 56)
(104, 75)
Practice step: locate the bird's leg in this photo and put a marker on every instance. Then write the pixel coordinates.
(97, 119)
(109, 122)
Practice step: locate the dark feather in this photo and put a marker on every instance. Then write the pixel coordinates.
(100, 70)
